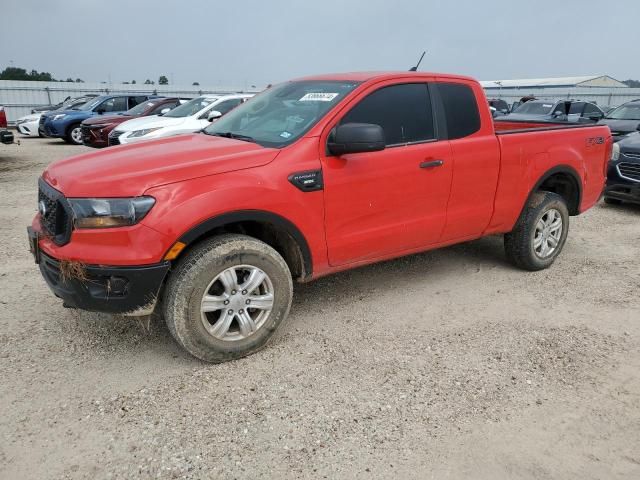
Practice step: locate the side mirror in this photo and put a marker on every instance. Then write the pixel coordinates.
(356, 138)
(214, 115)
(165, 110)
(100, 111)
(596, 117)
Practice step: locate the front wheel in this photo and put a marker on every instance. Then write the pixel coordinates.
(227, 297)
(540, 232)
(74, 134)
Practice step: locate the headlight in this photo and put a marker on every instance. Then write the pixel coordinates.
(615, 152)
(109, 212)
(59, 116)
(142, 133)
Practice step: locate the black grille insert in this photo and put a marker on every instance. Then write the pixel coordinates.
(55, 213)
(630, 170)
(113, 137)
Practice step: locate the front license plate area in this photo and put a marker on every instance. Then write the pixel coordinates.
(34, 247)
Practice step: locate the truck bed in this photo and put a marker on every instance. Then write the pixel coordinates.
(515, 126)
(529, 149)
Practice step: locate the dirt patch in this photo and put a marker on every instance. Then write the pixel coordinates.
(448, 364)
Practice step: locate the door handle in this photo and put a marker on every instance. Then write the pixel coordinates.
(431, 163)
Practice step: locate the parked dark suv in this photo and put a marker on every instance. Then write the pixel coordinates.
(623, 176)
(623, 120)
(573, 111)
(95, 130)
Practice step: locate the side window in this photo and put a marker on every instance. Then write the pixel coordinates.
(576, 108)
(133, 101)
(590, 109)
(226, 106)
(117, 104)
(461, 109)
(403, 111)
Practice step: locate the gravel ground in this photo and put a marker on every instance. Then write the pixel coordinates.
(449, 364)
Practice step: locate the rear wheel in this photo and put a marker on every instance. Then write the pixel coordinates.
(540, 233)
(227, 297)
(74, 134)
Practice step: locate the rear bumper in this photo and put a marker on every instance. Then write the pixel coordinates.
(6, 137)
(117, 290)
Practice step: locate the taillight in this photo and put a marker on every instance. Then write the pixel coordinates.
(3, 118)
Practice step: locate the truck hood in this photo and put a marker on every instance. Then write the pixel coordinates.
(130, 170)
(621, 125)
(153, 121)
(107, 119)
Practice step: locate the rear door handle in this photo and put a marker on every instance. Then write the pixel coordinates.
(431, 163)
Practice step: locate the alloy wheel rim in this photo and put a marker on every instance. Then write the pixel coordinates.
(548, 233)
(76, 135)
(237, 303)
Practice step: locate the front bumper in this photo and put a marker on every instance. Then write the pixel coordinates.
(626, 192)
(95, 137)
(29, 128)
(620, 186)
(118, 290)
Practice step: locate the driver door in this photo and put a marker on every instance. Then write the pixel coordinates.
(383, 203)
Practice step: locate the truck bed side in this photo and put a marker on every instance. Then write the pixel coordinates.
(533, 152)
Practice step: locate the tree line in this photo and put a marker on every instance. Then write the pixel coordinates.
(16, 73)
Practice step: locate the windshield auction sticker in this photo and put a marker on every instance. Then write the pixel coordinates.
(318, 97)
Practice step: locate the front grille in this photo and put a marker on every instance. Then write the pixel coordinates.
(55, 213)
(113, 137)
(631, 154)
(630, 170)
(86, 133)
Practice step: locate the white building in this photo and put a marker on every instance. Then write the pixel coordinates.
(599, 81)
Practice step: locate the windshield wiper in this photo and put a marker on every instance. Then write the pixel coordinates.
(235, 136)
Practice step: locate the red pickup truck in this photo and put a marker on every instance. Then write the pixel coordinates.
(310, 177)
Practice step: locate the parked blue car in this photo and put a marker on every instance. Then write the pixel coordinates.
(65, 124)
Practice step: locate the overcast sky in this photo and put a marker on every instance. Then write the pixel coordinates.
(258, 42)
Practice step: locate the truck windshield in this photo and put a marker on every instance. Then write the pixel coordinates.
(191, 107)
(281, 114)
(535, 108)
(626, 112)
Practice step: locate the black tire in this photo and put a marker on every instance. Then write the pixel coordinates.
(69, 136)
(192, 277)
(519, 243)
(612, 201)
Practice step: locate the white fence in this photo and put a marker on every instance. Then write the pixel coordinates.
(602, 96)
(19, 98)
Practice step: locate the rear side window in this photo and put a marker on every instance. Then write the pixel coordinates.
(403, 112)
(461, 109)
(117, 104)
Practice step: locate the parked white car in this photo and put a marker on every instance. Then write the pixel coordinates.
(28, 125)
(190, 117)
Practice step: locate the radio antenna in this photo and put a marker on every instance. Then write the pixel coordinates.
(415, 69)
